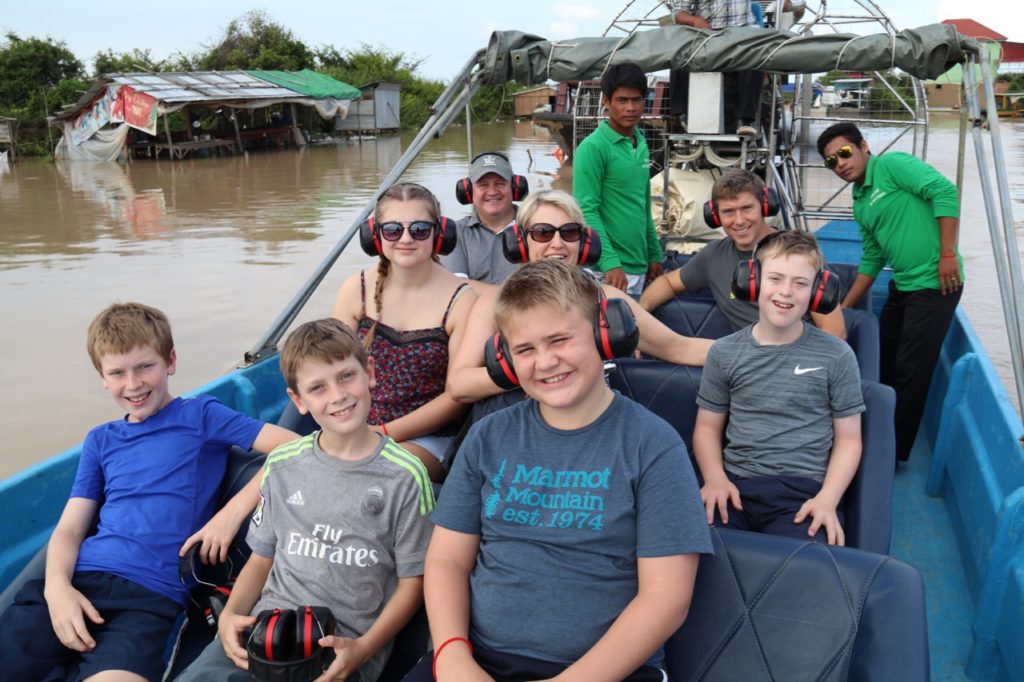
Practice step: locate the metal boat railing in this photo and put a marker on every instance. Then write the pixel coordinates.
(1000, 222)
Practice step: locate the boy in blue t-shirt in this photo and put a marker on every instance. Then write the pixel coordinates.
(567, 534)
(150, 480)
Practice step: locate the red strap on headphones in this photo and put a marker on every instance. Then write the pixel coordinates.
(602, 325)
(753, 280)
(503, 361)
(307, 632)
(825, 274)
(268, 644)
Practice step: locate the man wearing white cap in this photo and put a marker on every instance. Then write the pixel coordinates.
(490, 187)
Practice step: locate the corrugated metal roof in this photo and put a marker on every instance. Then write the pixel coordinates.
(202, 86)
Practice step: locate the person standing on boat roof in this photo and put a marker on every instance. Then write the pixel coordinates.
(611, 182)
(412, 321)
(787, 399)
(742, 94)
(739, 203)
(110, 598)
(491, 186)
(908, 214)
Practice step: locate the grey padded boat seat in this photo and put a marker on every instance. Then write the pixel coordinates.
(778, 609)
(670, 391)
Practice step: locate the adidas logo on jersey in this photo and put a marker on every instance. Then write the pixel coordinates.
(296, 498)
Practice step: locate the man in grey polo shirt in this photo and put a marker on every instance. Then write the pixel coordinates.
(478, 253)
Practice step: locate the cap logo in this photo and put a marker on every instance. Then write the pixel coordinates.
(489, 160)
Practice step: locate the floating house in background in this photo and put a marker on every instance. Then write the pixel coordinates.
(944, 92)
(8, 138)
(378, 109)
(120, 112)
(526, 102)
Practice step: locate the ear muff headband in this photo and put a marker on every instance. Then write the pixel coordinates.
(515, 249)
(518, 184)
(445, 237)
(826, 289)
(769, 206)
(616, 335)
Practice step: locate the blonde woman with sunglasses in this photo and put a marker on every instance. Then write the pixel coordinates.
(552, 225)
(411, 314)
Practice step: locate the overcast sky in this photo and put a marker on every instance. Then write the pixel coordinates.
(443, 33)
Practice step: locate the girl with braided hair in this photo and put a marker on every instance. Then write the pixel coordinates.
(411, 323)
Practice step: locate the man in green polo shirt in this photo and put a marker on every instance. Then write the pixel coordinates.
(908, 214)
(612, 183)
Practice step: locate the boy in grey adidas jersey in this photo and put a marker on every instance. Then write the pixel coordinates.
(787, 398)
(342, 519)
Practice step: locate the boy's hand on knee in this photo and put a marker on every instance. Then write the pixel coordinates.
(68, 610)
(717, 494)
(230, 627)
(349, 656)
(822, 514)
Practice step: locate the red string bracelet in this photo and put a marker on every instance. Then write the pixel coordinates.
(384, 428)
(948, 255)
(437, 652)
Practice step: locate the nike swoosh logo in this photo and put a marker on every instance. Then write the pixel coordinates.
(804, 370)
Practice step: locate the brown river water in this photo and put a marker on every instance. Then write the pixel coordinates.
(222, 244)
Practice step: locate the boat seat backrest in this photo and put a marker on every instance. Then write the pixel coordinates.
(862, 335)
(670, 391)
(847, 274)
(667, 390)
(693, 317)
(293, 420)
(773, 608)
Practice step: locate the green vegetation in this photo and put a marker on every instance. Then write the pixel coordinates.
(40, 75)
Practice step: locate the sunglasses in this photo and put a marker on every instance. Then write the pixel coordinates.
(543, 232)
(844, 152)
(420, 230)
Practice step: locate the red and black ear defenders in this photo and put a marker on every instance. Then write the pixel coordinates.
(615, 333)
(444, 238)
(769, 207)
(213, 597)
(283, 644)
(464, 186)
(826, 289)
(513, 245)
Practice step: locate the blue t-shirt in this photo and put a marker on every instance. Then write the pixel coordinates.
(157, 483)
(563, 517)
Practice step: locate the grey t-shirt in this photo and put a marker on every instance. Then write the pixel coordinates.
(341, 533)
(563, 517)
(713, 268)
(478, 254)
(781, 400)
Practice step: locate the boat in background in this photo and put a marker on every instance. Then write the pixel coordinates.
(958, 505)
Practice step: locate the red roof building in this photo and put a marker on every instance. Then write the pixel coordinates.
(1013, 53)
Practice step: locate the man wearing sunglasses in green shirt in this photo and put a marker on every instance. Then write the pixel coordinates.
(908, 214)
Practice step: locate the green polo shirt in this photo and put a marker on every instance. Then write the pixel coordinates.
(897, 207)
(612, 183)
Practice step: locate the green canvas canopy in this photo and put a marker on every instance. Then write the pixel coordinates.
(924, 52)
(309, 83)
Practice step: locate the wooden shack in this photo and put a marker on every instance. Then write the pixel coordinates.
(377, 110)
(525, 102)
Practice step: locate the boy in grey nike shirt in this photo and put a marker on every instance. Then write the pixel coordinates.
(787, 398)
(342, 519)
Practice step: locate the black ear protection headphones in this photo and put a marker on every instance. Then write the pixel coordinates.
(769, 207)
(826, 288)
(444, 238)
(513, 245)
(283, 644)
(615, 333)
(213, 597)
(464, 186)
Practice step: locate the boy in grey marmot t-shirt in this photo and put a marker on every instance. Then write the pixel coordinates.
(342, 519)
(792, 398)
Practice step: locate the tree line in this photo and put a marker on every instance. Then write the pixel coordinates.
(38, 76)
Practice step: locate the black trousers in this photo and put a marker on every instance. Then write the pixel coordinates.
(912, 327)
(741, 90)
